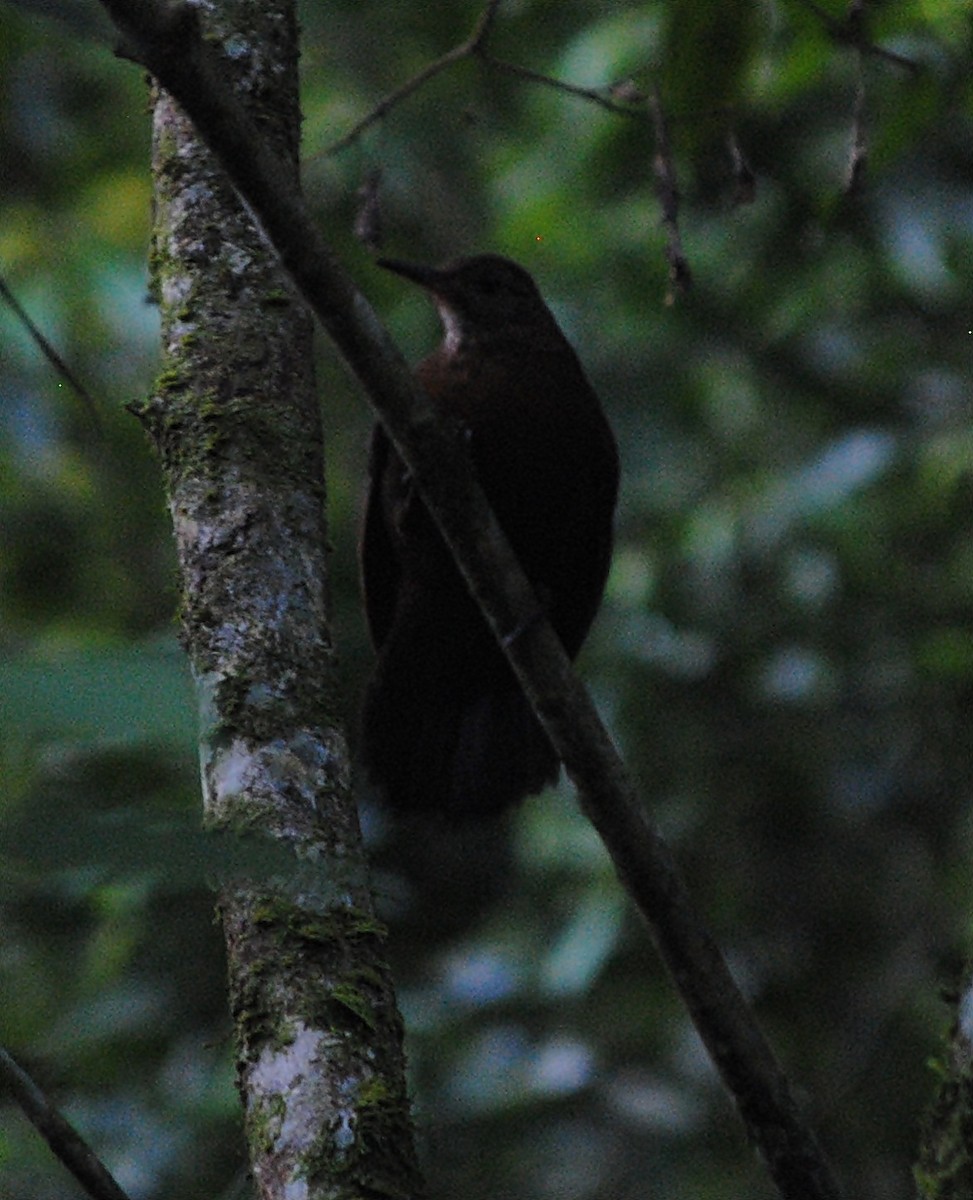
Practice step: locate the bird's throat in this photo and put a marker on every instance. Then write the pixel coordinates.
(456, 333)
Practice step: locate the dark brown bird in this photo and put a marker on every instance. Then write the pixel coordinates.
(445, 726)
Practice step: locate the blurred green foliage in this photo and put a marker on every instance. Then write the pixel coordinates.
(785, 653)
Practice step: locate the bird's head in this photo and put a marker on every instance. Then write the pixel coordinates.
(480, 298)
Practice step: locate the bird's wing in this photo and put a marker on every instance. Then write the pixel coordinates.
(379, 562)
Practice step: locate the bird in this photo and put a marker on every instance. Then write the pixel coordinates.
(445, 728)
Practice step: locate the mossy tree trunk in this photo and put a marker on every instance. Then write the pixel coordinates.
(235, 419)
(944, 1170)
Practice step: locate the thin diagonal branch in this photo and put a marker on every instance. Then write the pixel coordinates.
(595, 95)
(52, 356)
(484, 25)
(387, 103)
(466, 49)
(65, 1141)
(473, 47)
(850, 33)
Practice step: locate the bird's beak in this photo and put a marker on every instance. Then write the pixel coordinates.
(427, 277)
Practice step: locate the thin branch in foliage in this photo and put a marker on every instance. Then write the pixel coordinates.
(65, 1141)
(599, 96)
(387, 103)
(473, 47)
(667, 189)
(851, 32)
(467, 49)
(623, 99)
(52, 356)
(190, 69)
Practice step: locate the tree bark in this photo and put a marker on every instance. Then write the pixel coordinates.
(235, 419)
(944, 1169)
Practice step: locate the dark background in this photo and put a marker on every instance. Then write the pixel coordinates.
(785, 653)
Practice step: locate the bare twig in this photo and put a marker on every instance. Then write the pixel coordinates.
(850, 32)
(69, 1146)
(484, 25)
(473, 47)
(600, 96)
(387, 103)
(667, 188)
(52, 356)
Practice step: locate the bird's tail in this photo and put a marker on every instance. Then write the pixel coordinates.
(446, 729)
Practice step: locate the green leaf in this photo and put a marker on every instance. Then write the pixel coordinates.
(122, 694)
